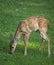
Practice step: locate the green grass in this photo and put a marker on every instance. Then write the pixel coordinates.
(11, 12)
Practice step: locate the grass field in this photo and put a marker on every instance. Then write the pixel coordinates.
(11, 12)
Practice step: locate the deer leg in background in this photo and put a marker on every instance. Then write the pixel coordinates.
(42, 42)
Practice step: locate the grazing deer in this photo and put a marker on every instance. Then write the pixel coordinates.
(25, 27)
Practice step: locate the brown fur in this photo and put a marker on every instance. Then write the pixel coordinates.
(32, 24)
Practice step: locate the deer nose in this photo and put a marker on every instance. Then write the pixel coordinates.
(11, 50)
(12, 47)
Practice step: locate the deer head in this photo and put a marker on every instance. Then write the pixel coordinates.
(12, 43)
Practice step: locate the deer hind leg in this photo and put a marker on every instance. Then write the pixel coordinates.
(26, 37)
(45, 37)
(42, 42)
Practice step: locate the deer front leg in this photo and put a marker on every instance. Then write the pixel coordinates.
(26, 37)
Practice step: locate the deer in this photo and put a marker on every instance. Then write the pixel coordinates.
(24, 29)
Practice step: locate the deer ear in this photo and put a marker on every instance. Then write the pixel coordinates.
(11, 37)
